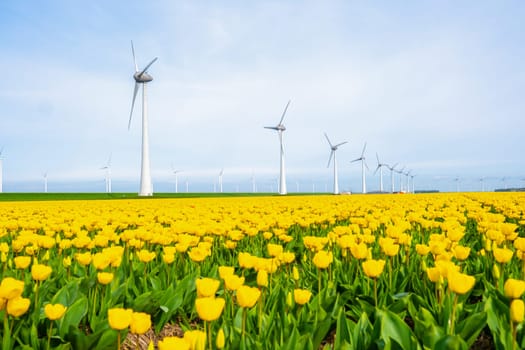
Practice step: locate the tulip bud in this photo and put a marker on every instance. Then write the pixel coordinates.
(219, 341)
(517, 310)
(295, 273)
(289, 299)
(495, 271)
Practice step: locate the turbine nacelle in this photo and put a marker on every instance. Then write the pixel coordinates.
(142, 77)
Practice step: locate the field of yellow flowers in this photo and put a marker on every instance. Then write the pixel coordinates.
(307, 272)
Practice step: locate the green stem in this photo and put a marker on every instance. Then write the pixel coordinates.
(243, 321)
(118, 340)
(319, 286)
(375, 291)
(453, 316)
(208, 324)
(49, 335)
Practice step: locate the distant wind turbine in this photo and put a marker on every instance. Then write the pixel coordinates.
(392, 169)
(107, 167)
(363, 165)
(380, 168)
(457, 183)
(407, 174)
(333, 155)
(45, 182)
(142, 77)
(280, 128)
(220, 180)
(482, 184)
(1, 170)
(252, 179)
(413, 187)
(176, 172)
(400, 172)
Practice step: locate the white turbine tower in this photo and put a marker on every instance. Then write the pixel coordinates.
(400, 172)
(220, 180)
(142, 77)
(107, 167)
(407, 174)
(280, 128)
(392, 169)
(175, 172)
(1, 170)
(413, 187)
(333, 155)
(45, 182)
(380, 168)
(363, 165)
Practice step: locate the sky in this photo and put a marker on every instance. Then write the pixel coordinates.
(434, 86)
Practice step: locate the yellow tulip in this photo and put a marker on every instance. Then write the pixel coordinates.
(301, 296)
(207, 287)
(461, 253)
(146, 256)
(517, 310)
(22, 262)
(422, 249)
(434, 274)
(172, 343)
(274, 249)
(196, 339)
(322, 259)
(233, 282)
(359, 251)
(226, 270)
(119, 318)
(247, 296)
(220, 339)
(168, 258)
(11, 288)
(105, 277)
(502, 255)
(17, 306)
(54, 311)
(198, 254)
(460, 283)
(262, 278)
(373, 268)
(40, 272)
(295, 273)
(101, 261)
(513, 288)
(209, 308)
(83, 258)
(140, 323)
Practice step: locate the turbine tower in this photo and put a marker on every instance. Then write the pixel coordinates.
(175, 172)
(392, 169)
(1, 170)
(400, 172)
(107, 167)
(220, 180)
(142, 77)
(413, 187)
(280, 128)
(380, 168)
(332, 154)
(45, 182)
(363, 165)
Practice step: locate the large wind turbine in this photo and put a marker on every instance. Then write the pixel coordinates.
(142, 77)
(107, 167)
(380, 168)
(363, 165)
(220, 180)
(175, 172)
(280, 128)
(333, 155)
(1, 170)
(392, 168)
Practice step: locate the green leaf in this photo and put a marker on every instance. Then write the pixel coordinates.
(451, 342)
(390, 328)
(469, 328)
(74, 314)
(343, 333)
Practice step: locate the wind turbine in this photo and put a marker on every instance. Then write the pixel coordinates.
(1, 170)
(413, 188)
(482, 184)
(407, 174)
(400, 172)
(107, 167)
(333, 155)
(457, 183)
(142, 77)
(380, 168)
(392, 168)
(363, 165)
(280, 128)
(45, 182)
(220, 180)
(175, 172)
(254, 186)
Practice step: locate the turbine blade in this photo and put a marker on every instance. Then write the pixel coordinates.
(366, 166)
(330, 158)
(327, 139)
(377, 156)
(109, 160)
(149, 65)
(340, 144)
(271, 127)
(133, 103)
(378, 166)
(363, 153)
(134, 59)
(285, 109)
(355, 160)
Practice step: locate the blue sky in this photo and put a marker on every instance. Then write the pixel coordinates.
(436, 86)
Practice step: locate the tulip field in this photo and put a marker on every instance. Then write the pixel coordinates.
(413, 271)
